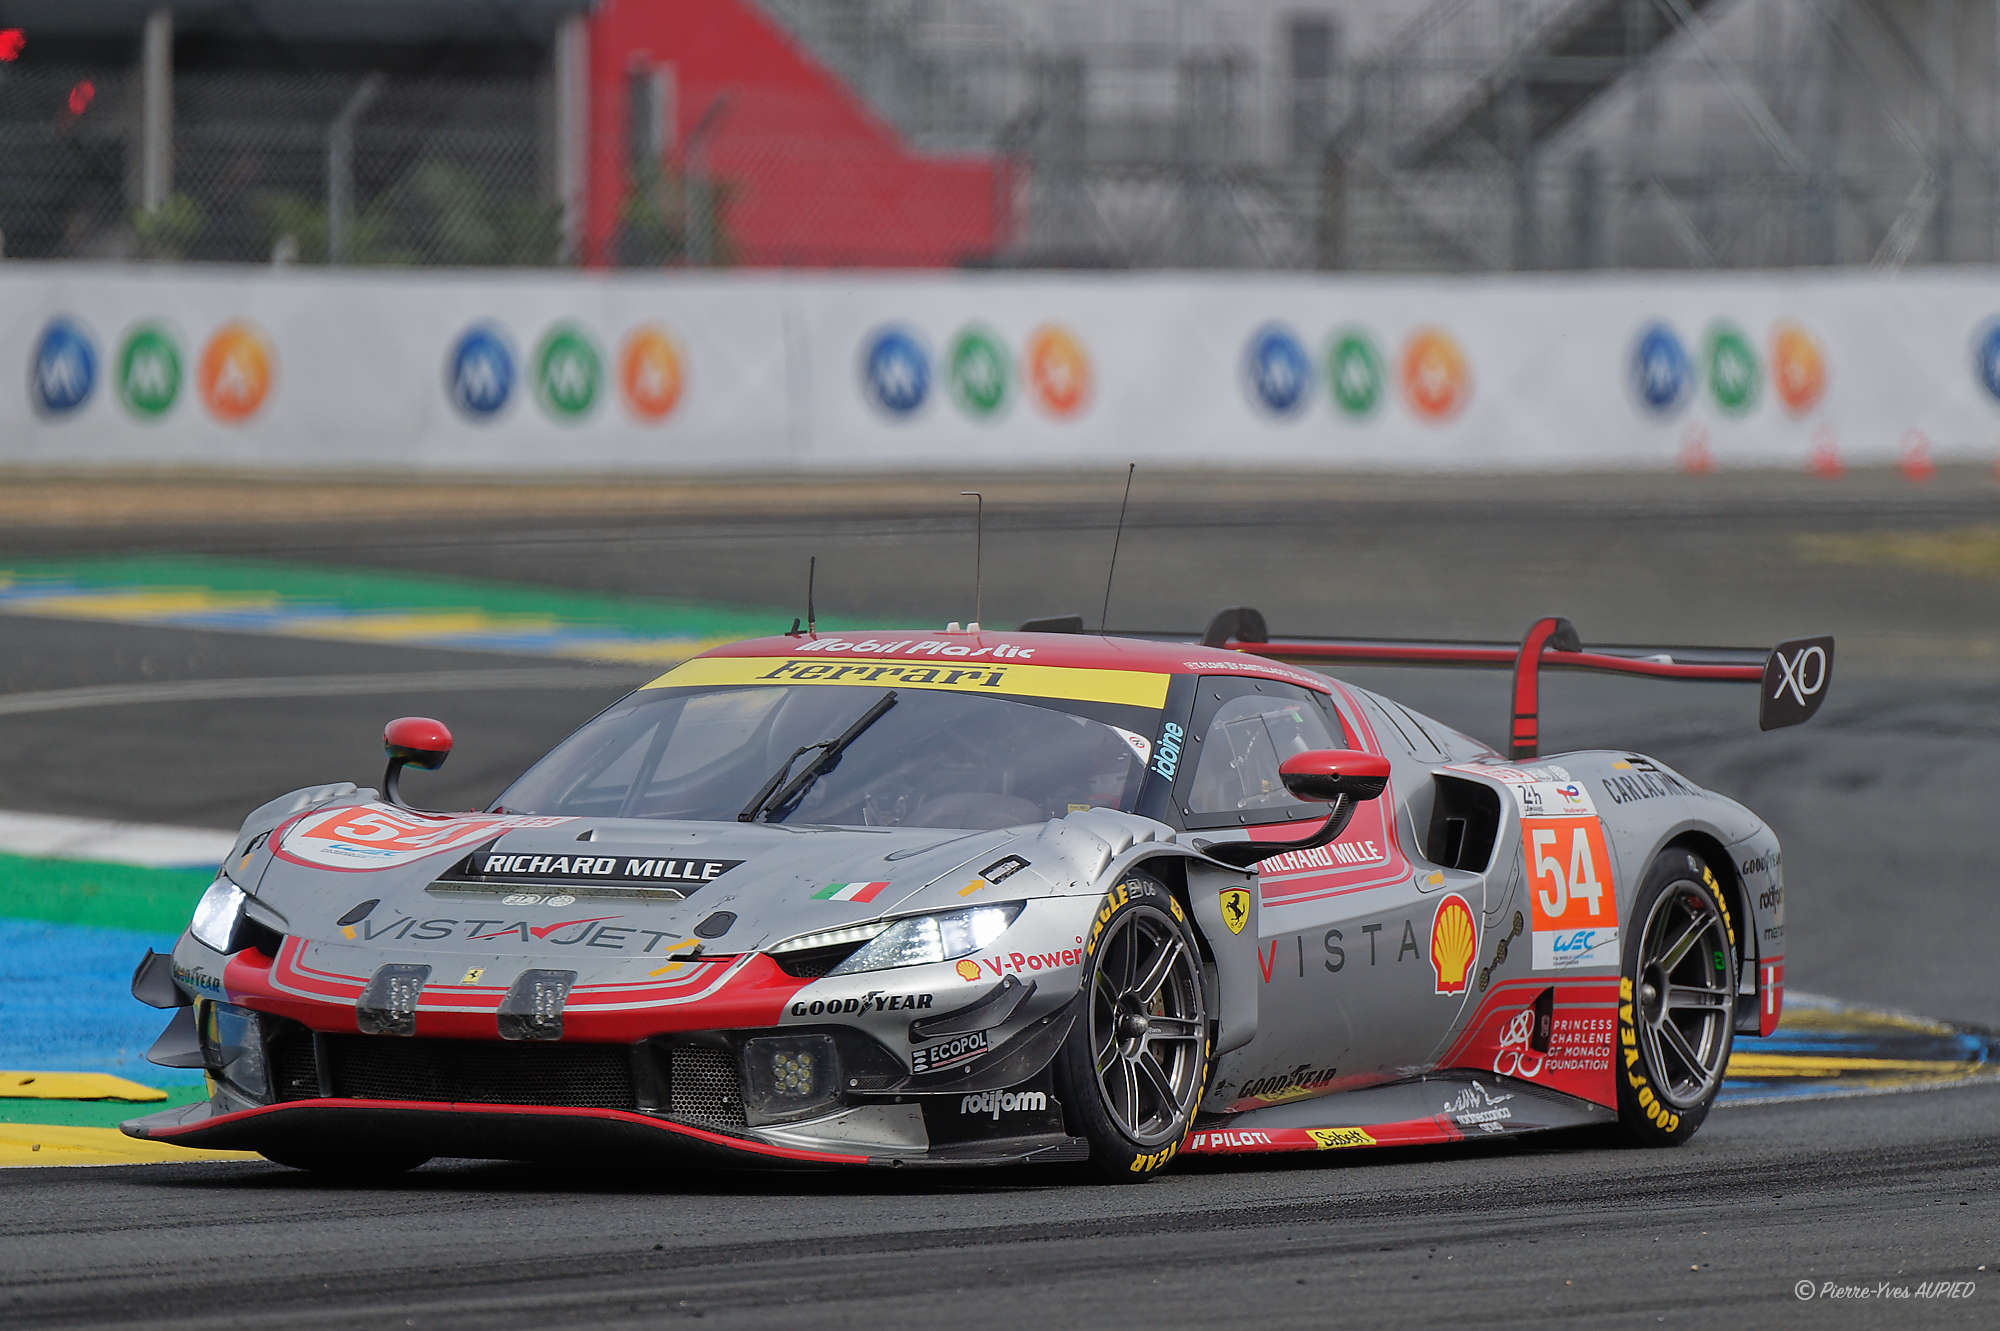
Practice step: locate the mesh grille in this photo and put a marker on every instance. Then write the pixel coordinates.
(294, 1068)
(706, 1088)
(591, 1076)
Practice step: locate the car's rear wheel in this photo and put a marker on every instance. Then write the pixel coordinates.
(356, 1166)
(1135, 1065)
(1676, 1001)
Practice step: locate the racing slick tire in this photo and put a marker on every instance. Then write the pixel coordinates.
(1676, 1001)
(346, 1166)
(1136, 1063)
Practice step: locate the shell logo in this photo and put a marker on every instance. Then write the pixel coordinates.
(234, 375)
(649, 371)
(1454, 943)
(1058, 370)
(1437, 382)
(1798, 368)
(968, 971)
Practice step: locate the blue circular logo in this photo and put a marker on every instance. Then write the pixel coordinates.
(1662, 374)
(1276, 365)
(896, 371)
(1986, 358)
(64, 368)
(479, 374)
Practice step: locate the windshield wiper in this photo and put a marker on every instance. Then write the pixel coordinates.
(828, 753)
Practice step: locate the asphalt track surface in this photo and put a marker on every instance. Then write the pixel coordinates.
(1883, 803)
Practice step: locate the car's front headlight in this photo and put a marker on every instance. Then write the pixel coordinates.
(218, 916)
(923, 939)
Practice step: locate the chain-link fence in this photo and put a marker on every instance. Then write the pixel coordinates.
(1471, 135)
(284, 167)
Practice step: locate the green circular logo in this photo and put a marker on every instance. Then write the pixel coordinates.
(568, 373)
(1734, 376)
(1354, 373)
(149, 372)
(978, 372)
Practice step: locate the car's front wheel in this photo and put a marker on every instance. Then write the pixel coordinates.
(1135, 1065)
(1676, 1001)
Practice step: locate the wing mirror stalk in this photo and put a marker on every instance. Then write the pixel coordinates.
(1339, 777)
(412, 741)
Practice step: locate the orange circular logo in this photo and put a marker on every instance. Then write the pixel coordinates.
(234, 376)
(649, 369)
(1798, 368)
(1058, 370)
(1436, 379)
(968, 970)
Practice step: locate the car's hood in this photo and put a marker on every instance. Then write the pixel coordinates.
(606, 887)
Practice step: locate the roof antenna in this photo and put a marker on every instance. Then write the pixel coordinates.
(812, 570)
(978, 549)
(1105, 617)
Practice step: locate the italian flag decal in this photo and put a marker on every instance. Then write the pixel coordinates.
(849, 892)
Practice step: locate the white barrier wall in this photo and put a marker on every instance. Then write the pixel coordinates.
(708, 372)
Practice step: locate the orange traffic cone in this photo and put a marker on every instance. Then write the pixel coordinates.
(1824, 460)
(1916, 462)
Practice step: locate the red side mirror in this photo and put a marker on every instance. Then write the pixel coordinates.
(412, 741)
(1331, 774)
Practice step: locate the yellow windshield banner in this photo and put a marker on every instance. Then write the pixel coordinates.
(1139, 688)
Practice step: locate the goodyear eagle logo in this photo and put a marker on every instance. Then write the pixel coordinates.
(1235, 908)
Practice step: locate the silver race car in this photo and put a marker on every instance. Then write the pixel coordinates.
(980, 898)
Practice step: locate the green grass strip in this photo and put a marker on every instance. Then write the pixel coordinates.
(107, 896)
(358, 590)
(96, 1113)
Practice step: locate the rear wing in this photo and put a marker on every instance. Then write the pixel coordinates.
(1792, 678)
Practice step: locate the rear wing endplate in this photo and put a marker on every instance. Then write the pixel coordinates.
(1792, 678)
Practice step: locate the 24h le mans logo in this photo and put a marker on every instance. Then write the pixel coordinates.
(149, 372)
(568, 372)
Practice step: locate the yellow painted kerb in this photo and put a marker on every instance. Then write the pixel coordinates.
(42, 1144)
(74, 1086)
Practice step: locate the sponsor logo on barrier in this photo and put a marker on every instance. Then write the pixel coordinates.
(1276, 369)
(1662, 375)
(235, 372)
(977, 374)
(1354, 373)
(650, 373)
(1734, 376)
(1437, 381)
(149, 372)
(1798, 368)
(479, 374)
(895, 370)
(1058, 370)
(1986, 358)
(64, 369)
(569, 373)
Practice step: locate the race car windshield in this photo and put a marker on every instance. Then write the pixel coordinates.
(937, 758)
